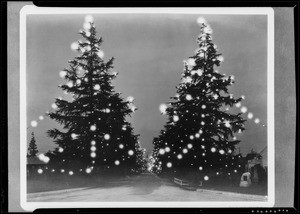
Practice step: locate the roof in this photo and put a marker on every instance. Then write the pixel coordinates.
(34, 161)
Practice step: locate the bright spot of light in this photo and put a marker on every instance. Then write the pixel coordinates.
(162, 108)
(256, 120)
(244, 109)
(34, 123)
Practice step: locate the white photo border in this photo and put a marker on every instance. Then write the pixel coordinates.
(30, 10)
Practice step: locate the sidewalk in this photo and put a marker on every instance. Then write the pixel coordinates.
(240, 195)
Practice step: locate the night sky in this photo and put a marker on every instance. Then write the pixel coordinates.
(149, 50)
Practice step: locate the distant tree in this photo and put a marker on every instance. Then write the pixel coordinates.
(32, 148)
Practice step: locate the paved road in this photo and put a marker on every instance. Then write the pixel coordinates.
(145, 187)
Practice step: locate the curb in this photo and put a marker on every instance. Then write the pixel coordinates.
(39, 194)
(248, 196)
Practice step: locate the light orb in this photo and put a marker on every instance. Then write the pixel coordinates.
(93, 154)
(34, 123)
(197, 135)
(238, 104)
(184, 151)
(93, 148)
(130, 99)
(250, 115)
(161, 151)
(130, 152)
(100, 53)
(167, 149)
(93, 127)
(200, 168)
(169, 164)
(213, 149)
(179, 156)
(191, 137)
(93, 143)
(88, 170)
(206, 178)
(74, 46)
(222, 152)
(175, 118)
(86, 26)
(190, 146)
(62, 74)
(71, 172)
(188, 97)
(106, 136)
(60, 150)
(244, 109)
(117, 162)
(121, 146)
(257, 120)
(162, 108)
(201, 20)
(40, 171)
(96, 87)
(54, 106)
(88, 18)
(203, 106)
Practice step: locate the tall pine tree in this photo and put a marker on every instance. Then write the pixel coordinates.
(199, 135)
(95, 133)
(32, 147)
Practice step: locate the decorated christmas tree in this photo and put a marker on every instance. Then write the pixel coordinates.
(32, 147)
(199, 134)
(95, 135)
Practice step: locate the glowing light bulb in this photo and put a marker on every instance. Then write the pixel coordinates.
(161, 151)
(191, 137)
(117, 162)
(34, 123)
(238, 105)
(190, 146)
(40, 171)
(250, 115)
(206, 178)
(93, 143)
(88, 170)
(89, 18)
(130, 152)
(184, 151)
(201, 20)
(93, 154)
(175, 118)
(179, 156)
(244, 109)
(106, 136)
(200, 168)
(203, 106)
(169, 164)
(54, 106)
(93, 148)
(197, 135)
(188, 97)
(213, 149)
(222, 152)
(162, 108)
(71, 172)
(257, 120)
(121, 146)
(97, 87)
(62, 74)
(167, 149)
(60, 150)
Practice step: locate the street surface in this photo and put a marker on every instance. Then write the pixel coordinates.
(145, 187)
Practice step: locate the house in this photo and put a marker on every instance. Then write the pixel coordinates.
(35, 166)
(257, 164)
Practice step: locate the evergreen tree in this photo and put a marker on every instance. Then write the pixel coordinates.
(32, 148)
(199, 135)
(95, 133)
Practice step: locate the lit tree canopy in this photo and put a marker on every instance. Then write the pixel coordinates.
(95, 131)
(199, 133)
